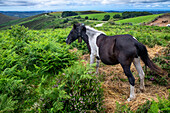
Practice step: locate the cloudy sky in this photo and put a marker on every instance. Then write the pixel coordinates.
(63, 5)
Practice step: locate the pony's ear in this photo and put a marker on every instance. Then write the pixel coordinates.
(84, 29)
(79, 40)
(74, 26)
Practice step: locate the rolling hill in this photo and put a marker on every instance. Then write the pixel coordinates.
(46, 20)
(5, 18)
(98, 16)
(54, 20)
(138, 20)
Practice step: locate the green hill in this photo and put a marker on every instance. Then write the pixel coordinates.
(47, 20)
(54, 20)
(138, 20)
(33, 22)
(5, 18)
(98, 16)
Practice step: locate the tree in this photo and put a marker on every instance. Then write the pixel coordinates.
(116, 16)
(106, 17)
(86, 17)
(68, 13)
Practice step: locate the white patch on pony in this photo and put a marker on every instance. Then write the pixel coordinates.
(138, 67)
(132, 93)
(92, 38)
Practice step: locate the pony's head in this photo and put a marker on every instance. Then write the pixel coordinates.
(77, 32)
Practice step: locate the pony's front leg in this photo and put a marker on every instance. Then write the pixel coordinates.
(131, 79)
(132, 93)
(97, 66)
(92, 56)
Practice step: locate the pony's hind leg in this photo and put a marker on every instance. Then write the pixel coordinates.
(136, 62)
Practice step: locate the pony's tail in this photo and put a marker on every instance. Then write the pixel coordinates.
(143, 53)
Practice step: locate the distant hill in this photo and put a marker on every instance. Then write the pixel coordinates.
(46, 20)
(138, 20)
(22, 14)
(54, 20)
(5, 18)
(32, 22)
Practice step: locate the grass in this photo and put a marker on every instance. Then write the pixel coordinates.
(99, 16)
(138, 20)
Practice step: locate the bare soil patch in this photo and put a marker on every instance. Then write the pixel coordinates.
(161, 21)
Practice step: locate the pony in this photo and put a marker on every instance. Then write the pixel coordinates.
(112, 50)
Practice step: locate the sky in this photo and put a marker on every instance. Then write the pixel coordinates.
(82, 5)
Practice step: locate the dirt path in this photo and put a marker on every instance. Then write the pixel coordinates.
(99, 25)
(116, 85)
(161, 21)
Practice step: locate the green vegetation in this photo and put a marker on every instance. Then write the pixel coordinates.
(162, 106)
(33, 77)
(68, 13)
(99, 16)
(144, 34)
(138, 20)
(127, 14)
(39, 73)
(106, 17)
(5, 18)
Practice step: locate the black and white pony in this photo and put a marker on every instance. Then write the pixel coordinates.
(111, 50)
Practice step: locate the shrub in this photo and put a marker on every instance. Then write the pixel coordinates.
(86, 17)
(7, 104)
(106, 17)
(84, 89)
(117, 16)
(124, 108)
(68, 13)
(73, 91)
(162, 106)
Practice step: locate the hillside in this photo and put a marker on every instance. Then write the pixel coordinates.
(32, 22)
(47, 20)
(4, 18)
(161, 20)
(138, 20)
(98, 16)
(54, 20)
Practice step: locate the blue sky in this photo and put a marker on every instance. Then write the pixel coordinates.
(79, 5)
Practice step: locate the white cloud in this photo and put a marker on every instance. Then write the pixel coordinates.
(44, 4)
(76, 2)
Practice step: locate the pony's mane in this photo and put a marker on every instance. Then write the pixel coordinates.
(93, 30)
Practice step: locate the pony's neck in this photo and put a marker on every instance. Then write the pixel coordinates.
(91, 32)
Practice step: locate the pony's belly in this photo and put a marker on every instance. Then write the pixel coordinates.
(109, 61)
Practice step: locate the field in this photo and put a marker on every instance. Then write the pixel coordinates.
(39, 72)
(138, 20)
(99, 16)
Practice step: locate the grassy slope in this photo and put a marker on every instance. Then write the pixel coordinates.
(51, 20)
(5, 18)
(99, 16)
(138, 20)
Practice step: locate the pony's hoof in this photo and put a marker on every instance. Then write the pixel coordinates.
(130, 99)
(142, 89)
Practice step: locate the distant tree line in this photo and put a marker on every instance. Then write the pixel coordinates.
(124, 15)
(68, 13)
(134, 14)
